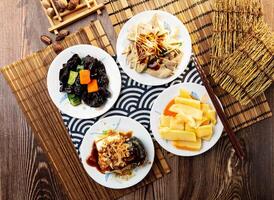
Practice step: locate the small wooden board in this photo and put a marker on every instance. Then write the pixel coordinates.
(66, 17)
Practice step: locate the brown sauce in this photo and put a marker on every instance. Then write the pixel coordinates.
(93, 158)
(128, 134)
(157, 67)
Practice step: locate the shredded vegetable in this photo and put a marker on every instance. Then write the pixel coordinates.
(154, 49)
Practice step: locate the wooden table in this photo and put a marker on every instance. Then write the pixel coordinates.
(25, 173)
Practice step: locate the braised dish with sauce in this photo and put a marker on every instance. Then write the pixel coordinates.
(154, 49)
(84, 79)
(117, 152)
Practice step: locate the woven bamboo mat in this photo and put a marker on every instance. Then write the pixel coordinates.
(197, 16)
(27, 78)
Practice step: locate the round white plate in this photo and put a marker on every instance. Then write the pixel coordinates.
(118, 123)
(170, 22)
(159, 105)
(60, 99)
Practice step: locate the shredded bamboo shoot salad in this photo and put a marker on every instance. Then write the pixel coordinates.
(154, 49)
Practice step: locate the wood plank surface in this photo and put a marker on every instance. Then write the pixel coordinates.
(25, 173)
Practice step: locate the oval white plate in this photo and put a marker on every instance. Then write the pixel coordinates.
(121, 124)
(159, 105)
(60, 99)
(170, 21)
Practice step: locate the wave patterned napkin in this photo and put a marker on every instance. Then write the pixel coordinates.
(135, 101)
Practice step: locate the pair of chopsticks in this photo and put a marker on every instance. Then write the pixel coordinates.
(236, 145)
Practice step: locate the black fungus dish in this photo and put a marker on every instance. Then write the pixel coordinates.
(84, 79)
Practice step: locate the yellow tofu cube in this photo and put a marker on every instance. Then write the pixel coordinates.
(176, 124)
(187, 110)
(205, 107)
(192, 146)
(170, 134)
(184, 93)
(203, 121)
(190, 102)
(205, 130)
(189, 128)
(165, 121)
(211, 115)
(207, 138)
(193, 122)
(181, 117)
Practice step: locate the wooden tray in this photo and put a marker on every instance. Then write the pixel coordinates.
(197, 17)
(66, 17)
(27, 78)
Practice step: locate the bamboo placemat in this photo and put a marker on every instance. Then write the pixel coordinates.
(197, 16)
(27, 78)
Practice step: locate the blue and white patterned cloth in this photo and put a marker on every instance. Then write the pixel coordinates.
(135, 101)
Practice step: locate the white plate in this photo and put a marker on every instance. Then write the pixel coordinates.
(121, 124)
(60, 99)
(159, 105)
(170, 21)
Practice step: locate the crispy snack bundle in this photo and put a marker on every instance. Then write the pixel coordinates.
(249, 70)
(231, 20)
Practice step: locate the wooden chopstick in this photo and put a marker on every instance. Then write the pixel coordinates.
(236, 145)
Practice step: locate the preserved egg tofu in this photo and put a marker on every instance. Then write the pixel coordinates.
(110, 148)
(106, 140)
(118, 151)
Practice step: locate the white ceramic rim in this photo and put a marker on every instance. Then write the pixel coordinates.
(83, 111)
(157, 109)
(124, 123)
(122, 43)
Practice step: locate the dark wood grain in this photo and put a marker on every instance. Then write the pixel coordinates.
(25, 173)
(218, 174)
